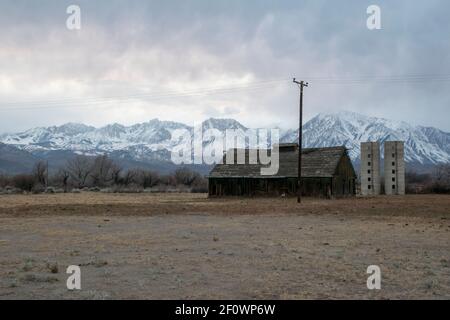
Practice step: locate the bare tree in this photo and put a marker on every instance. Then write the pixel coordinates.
(167, 180)
(441, 179)
(79, 169)
(186, 176)
(24, 182)
(441, 174)
(62, 178)
(148, 179)
(116, 172)
(102, 171)
(129, 177)
(4, 180)
(40, 173)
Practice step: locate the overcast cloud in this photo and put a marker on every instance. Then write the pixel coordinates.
(137, 60)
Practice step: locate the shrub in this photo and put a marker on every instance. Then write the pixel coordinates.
(24, 182)
(440, 188)
(4, 181)
(38, 188)
(200, 189)
(200, 185)
(186, 176)
(147, 179)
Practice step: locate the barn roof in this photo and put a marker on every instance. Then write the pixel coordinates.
(316, 162)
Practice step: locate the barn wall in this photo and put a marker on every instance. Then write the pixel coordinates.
(344, 180)
(317, 187)
(341, 182)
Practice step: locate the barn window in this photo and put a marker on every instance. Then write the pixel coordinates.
(393, 179)
(393, 155)
(393, 186)
(393, 171)
(368, 163)
(369, 187)
(369, 179)
(368, 171)
(393, 163)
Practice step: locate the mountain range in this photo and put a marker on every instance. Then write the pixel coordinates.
(149, 144)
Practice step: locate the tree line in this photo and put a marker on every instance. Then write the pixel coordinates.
(436, 181)
(101, 172)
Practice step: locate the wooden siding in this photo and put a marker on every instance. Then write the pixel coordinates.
(341, 183)
(344, 179)
(317, 187)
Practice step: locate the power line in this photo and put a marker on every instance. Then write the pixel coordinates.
(162, 94)
(217, 90)
(148, 97)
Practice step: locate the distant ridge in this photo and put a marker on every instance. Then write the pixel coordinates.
(150, 144)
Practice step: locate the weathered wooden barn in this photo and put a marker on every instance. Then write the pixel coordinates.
(325, 172)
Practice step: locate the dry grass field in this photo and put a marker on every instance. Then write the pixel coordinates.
(177, 246)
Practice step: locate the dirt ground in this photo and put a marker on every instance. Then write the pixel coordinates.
(185, 246)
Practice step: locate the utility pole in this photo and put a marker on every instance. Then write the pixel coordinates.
(301, 85)
(46, 180)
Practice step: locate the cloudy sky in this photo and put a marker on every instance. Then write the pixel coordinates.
(186, 61)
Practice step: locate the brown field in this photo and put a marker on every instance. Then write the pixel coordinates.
(184, 246)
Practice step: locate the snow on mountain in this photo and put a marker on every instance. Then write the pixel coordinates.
(222, 124)
(47, 137)
(422, 145)
(152, 140)
(142, 142)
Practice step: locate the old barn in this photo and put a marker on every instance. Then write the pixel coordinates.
(325, 172)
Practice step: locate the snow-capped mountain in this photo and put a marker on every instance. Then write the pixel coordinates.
(145, 142)
(150, 136)
(423, 145)
(152, 140)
